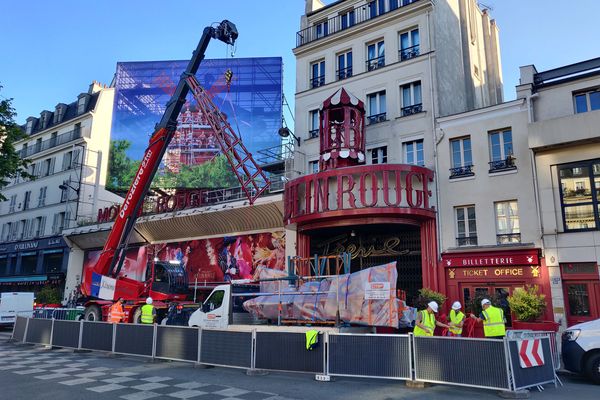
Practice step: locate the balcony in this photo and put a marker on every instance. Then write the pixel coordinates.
(408, 53)
(375, 63)
(503, 165)
(339, 23)
(411, 110)
(376, 118)
(344, 73)
(508, 238)
(313, 133)
(461, 172)
(467, 241)
(50, 143)
(317, 81)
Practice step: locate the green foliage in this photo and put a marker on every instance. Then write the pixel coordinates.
(11, 164)
(527, 303)
(426, 295)
(121, 168)
(216, 173)
(48, 295)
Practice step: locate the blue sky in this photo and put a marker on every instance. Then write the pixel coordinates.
(53, 50)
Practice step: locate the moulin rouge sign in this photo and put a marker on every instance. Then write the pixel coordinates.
(361, 190)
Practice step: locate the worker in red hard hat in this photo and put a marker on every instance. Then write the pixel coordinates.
(457, 320)
(426, 323)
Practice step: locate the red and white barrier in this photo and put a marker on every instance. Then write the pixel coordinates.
(530, 353)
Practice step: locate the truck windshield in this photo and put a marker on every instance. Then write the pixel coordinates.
(215, 300)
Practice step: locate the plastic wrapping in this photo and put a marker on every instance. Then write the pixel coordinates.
(321, 300)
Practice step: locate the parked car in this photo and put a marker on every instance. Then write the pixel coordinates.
(581, 349)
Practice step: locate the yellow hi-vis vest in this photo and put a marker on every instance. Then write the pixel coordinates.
(312, 339)
(147, 314)
(429, 321)
(456, 318)
(494, 322)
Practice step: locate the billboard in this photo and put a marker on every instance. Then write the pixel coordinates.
(211, 260)
(251, 101)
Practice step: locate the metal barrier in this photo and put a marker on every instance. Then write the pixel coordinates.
(66, 334)
(524, 378)
(480, 363)
(555, 342)
(69, 314)
(369, 356)
(226, 348)
(286, 351)
(469, 362)
(177, 343)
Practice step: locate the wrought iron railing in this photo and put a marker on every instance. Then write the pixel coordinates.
(507, 238)
(275, 154)
(503, 165)
(460, 172)
(317, 81)
(345, 21)
(409, 52)
(313, 133)
(376, 118)
(344, 73)
(411, 110)
(50, 143)
(467, 241)
(375, 63)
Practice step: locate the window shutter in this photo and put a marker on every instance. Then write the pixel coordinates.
(30, 230)
(54, 223)
(76, 161)
(67, 220)
(65, 161)
(52, 162)
(42, 227)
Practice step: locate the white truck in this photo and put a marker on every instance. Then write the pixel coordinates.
(13, 304)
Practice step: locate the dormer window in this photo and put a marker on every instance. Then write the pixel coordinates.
(82, 103)
(29, 126)
(59, 113)
(44, 119)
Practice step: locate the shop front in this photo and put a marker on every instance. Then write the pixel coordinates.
(27, 266)
(470, 277)
(581, 287)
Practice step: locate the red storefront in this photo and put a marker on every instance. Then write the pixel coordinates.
(377, 213)
(470, 276)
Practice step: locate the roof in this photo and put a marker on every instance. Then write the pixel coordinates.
(343, 97)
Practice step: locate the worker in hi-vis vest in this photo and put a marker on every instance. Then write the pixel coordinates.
(116, 314)
(493, 320)
(457, 320)
(148, 312)
(426, 323)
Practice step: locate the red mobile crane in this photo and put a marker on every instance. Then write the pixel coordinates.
(166, 281)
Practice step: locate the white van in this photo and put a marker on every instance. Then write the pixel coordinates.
(581, 349)
(13, 304)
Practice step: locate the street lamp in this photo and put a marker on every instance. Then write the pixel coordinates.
(284, 132)
(66, 186)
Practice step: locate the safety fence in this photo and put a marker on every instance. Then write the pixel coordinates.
(70, 314)
(555, 343)
(480, 363)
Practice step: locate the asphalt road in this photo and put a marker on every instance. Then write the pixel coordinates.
(34, 372)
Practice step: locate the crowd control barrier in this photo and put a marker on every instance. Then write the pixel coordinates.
(509, 365)
(555, 342)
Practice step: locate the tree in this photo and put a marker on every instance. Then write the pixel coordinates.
(216, 173)
(11, 163)
(121, 168)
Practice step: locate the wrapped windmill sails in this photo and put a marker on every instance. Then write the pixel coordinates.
(367, 297)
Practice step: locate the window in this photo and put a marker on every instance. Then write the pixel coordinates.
(317, 74)
(344, 61)
(59, 223)
(27, 200)
(313, 167)
(347, 19)
(12, 204)
(412, 102)
(587, 101)
(376, 8)
(40, 225)
(379, 155)
(42, 196)
(70, 159)
(466, 226)
(81, 105)
(375, 55)
(22, 232)
(214, 301)
(580, 195)
(321, 29)
(64, 193)
(462, 160)
(28, 129)
(409, 44)
(377, 107)
(501, 151)
(47, 167)
(393, 4)
(507, 222)
(38, 145)
(77, 130)
(413, 152)
(313, 124)
(53, 137)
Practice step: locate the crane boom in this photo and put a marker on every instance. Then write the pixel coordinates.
(112, 256)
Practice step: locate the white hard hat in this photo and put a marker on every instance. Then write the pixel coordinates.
(456, 305)
(433, 305)
(149, 300)
(485, 301)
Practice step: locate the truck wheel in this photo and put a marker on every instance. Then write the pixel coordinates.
(92, 313)
(137, 316)
(592, 368)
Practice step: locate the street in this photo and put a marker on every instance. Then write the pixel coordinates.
(31, 372)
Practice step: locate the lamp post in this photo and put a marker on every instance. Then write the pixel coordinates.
(284, 132)
(64, 187)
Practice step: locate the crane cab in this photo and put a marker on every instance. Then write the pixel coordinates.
(168, 278)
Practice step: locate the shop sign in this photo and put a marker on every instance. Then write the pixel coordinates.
(499, 272)
(33, 245)
(484, 260)
(379, 246)
(377, 291)
(358, 188)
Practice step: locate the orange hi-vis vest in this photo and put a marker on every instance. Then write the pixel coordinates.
(116, 313)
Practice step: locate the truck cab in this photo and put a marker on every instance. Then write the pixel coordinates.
(224, 307)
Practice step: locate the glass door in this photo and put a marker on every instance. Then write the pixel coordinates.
(477, 292)
(581, 300)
